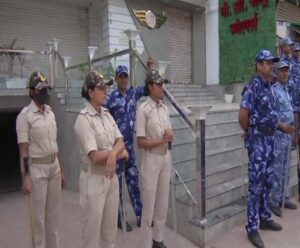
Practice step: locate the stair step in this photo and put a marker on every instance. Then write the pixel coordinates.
(223, 194)
(200, 102)
(191, 94)
(225, 175)
(74, 89)
(213, 152)
(214, 118)
(60, 95)
(224, 141)
(77, 107)
(195, 98)
(184, 151)
(75, 100)
(223, 134)
(184, 226)
(215, 130)
(182, 136)
(76, 83)
(186, 169)
(59, 89)
(225, 155)
(181, 188)
(72, 94)
(221, 214)
(172, 86)
(221, 189)
(224, 167)
(223, 197)
(189, 90)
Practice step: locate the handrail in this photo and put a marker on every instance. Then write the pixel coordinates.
(183, 115)
(61, 60)
(105, 57)
(186, 188)
(24, 51)
(169, 97)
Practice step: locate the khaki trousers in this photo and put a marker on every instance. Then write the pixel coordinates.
(45, 201)
(99, 199)
(155, 181)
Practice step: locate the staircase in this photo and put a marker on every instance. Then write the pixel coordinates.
(226, 166)
(226, 162)
(191, 95)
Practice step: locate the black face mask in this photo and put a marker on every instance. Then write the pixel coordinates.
(42, 98)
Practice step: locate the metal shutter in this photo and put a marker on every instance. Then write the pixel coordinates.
(36, 22)
(287, 12)
(180, 45)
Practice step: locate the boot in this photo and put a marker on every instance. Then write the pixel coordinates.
(255, 239)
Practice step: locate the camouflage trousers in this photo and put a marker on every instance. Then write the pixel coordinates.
(260, 173)
(132, 182)
(281, 168)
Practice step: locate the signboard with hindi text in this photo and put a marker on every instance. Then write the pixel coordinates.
(245, 27)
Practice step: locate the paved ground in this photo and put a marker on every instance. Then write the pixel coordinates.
(14, 231)
(289, 237)
(14, 219)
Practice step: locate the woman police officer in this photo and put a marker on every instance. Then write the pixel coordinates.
(154, 132)
(37, 133)
(101, 144)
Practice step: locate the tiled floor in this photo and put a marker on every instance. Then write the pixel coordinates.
(14, 228)
(289, 237)
(14, 231)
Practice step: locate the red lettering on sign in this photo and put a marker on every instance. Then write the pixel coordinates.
(255, 3)
(225, 9)
(239, 6)
(248, 25)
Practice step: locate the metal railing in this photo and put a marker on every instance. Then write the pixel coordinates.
(52, 54)
(134, 57)
(55, 60)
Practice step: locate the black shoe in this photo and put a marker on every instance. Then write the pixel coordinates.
(128, 226)
(255, 239)
(270, 225)
(152, 223)
(290, 205)
(276, 211)
(158, 244)
(138, 223)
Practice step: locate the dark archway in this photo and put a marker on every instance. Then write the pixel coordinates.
(9, 153)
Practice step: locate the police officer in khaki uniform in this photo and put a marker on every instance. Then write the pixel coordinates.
(37, 133)
(101, 144)
(154, 132)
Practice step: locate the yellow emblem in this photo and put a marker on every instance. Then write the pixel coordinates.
(41, 77)
(149, 19)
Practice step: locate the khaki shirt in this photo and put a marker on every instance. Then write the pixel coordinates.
(39, 130)
(95, 132)
(152, 121)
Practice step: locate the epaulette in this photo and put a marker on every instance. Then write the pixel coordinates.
(84, 111)
(25, 110)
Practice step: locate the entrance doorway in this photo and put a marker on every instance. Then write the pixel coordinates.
(10, 177)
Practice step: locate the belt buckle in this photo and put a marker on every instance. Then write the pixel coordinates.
(52, 158)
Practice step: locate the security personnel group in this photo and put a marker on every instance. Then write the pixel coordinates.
(269, 116)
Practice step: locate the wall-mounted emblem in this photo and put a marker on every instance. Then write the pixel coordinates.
(149, 19)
